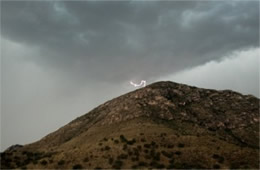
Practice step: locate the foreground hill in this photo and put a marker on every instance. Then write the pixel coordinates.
(164, 125)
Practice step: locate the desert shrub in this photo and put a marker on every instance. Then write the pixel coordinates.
(18, 163)
(170, 166)
(146, 151)
(110, 160)
(44, 162)
(130, 153)
(50, 161)
(219, 158)
(139, 147)
(86, 159)
(152, 152)
(125, 147)
(170, 146)
(24, 152)
(134, 167)
(116, 141)
(178, 152)
(16, 158)
(104, 139)
(131, 142)
(141, 163)
(122, 138)
(147, 145)
(167, 154)
(171, 161)
(77, 166)
(180, 145)
(141, 134)
(157, 156)
(136, 158)
(61, 162)
(107, 148)
(143, 140)
(160, 166)
(153, 143)
(100, 144)
(216, 166)
(147, 157)
(122, 156)
(163, 134)
(24, 167)
(98, 167)
(117, 164)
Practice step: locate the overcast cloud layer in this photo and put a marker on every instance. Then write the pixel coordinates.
(60, 59)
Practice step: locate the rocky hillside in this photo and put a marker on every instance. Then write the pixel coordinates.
(164, 125)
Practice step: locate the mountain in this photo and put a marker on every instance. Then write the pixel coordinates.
(163, 125)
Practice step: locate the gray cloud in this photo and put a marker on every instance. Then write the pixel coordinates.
(115, 41)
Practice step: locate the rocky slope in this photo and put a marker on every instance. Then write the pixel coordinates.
(164, 125)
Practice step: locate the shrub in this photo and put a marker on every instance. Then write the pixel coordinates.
(98, 167)
(180, 145)
(125, 147)
(61, 162)
(143, 140)
(110, 161)
(147, 157)
(77, 166)
(117, 164)
(107, 148)
(44, 162)
(130, 152)
(216, 166)
(116, 141)
(105, 139)
(122, 138)
(157, 156)
(147, 145)
(122, 156)
(218, 157)
(86, 159)
(136, 158)
(160, 166)
(134, 167)
(131, 142)
(178, 153)
(141, 134)
(167, 154)
(153, 143)
(141, 163)
(100, 144)
(170, 146)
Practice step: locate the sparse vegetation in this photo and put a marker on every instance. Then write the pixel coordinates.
(61, 162)
(180, 145)
(44, 162)
(110, 160)
(117, 164)
(107, 148)
(77, 166)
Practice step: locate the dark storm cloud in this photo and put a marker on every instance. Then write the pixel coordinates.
(118, 40)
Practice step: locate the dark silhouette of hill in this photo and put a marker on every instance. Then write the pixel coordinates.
(164, 125)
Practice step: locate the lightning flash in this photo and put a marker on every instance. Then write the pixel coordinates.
(142, 84)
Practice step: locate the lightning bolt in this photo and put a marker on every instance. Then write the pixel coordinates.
(143, 84)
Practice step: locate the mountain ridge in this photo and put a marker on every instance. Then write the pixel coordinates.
(226, 116)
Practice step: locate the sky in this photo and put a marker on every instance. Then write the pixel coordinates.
(60, 59)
